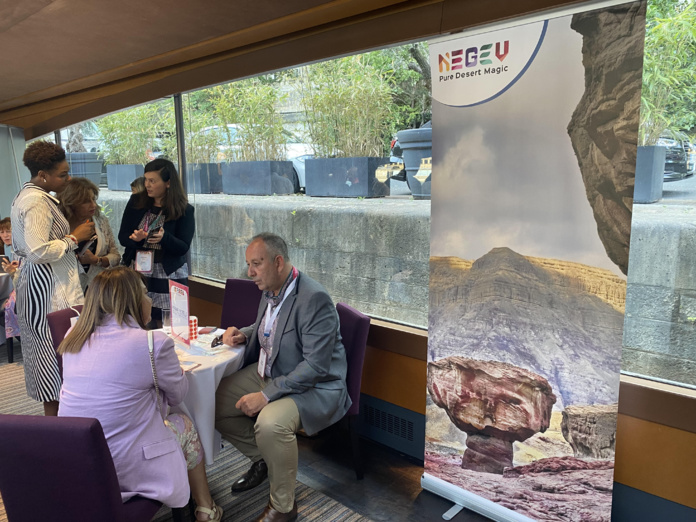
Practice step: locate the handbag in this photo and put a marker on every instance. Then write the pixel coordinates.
(151, 348)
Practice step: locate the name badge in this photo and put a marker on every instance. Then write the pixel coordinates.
(144, 261)
(263, 358)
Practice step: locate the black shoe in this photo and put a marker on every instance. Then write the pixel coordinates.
(256, 475)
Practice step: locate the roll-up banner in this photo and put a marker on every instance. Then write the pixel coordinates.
(535, 128)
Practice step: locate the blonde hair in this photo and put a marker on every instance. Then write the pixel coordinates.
(117, 291)
(76, 192)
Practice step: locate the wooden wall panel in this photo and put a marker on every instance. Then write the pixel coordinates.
(657, 459)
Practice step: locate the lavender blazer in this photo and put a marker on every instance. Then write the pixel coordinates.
(110, 379)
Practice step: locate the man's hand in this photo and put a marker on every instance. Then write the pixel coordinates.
(233, 337)
(252, 403)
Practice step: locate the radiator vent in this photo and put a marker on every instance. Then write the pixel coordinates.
(387, 422)
(393, 426)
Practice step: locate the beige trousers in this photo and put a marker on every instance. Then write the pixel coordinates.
(270, 436)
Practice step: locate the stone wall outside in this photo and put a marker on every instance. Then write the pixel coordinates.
(369, 253)
(660, 323)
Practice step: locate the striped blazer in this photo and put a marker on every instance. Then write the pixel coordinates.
(38, 235)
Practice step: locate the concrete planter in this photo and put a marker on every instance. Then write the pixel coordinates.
(119, 177)
(650, 168)
(85, 165)
(204, 178)
(259, 178)
(344, 177)
(416, 144)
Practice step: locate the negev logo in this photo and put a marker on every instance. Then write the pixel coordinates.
(473, 70)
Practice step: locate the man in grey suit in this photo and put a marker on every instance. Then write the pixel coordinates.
(293, 376)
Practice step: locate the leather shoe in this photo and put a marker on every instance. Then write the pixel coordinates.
(256, 475)
(271, 515)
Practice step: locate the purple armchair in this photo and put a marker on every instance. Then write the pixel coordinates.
(59, 324)
(354, 329)
(60, 469)
(241, 303)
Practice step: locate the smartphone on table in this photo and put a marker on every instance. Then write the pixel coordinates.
(206, 330)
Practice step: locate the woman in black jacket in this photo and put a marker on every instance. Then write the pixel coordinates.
(156, 230)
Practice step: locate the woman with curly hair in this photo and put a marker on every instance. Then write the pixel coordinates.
(78, 201)
(48, 275)
(156, 230)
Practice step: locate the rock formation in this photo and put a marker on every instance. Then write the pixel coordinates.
(494, 403)
(589, 279)
(591, 430)
(604, 126)
(555, 489)
(541, 315)
(558, 464)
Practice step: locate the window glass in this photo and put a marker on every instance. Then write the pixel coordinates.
(252, 147)
(660, 321)
(308, 153)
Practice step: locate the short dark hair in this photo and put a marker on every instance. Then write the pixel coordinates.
(5, 224)
(175, 200)
(42, 155)
(275, 245)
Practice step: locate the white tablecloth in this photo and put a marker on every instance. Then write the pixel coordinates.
(199, 403)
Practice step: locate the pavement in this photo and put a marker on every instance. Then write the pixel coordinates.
(682, 192)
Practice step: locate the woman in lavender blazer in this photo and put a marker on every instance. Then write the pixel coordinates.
(107, 375)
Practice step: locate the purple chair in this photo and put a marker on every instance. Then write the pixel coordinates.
(241, 303)
(60, 469)
(354, 329)
(59, 324)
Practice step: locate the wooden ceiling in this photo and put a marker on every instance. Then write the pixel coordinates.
(65, 61)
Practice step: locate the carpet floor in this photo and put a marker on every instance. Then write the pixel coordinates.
(230, 464)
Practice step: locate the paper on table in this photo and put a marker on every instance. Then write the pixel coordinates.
(188, 366)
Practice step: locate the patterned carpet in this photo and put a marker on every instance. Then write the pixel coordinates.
(230, 464)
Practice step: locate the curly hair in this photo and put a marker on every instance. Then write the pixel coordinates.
(42, 155)
(76, 192)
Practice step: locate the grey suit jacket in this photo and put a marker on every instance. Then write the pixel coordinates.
(308, 362)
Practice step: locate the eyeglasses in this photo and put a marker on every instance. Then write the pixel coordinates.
(216, 342)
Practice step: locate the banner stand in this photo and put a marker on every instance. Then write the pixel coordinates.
(464, 499)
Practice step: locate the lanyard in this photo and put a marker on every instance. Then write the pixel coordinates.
(271, 317)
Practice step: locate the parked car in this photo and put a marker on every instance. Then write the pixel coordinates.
(298, 164)
(676, 158)
(690, 157)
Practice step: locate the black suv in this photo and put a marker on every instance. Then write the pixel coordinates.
(676, 158)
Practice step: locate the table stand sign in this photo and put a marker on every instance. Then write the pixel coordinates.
(179, 302)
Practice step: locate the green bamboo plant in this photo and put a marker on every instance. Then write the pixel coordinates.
(669, 77)
(251, 107)
(348, 107)
(129, 136)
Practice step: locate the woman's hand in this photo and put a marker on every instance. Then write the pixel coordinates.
(156, 237)
(88, 258)
(11, 267)
(84, 231)
(138, 235)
